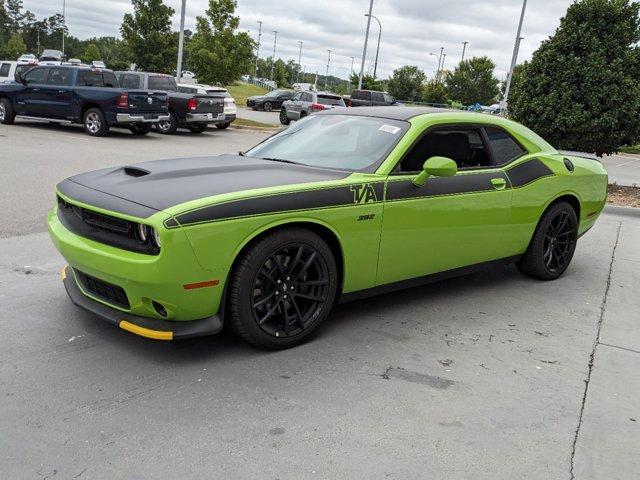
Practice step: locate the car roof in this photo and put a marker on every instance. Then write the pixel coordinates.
(393, 113)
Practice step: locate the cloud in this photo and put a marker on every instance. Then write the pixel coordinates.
(411, 29)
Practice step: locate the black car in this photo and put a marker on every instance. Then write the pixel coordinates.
(270, 101)
(370, 98)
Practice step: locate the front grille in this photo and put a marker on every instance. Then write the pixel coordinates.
(103, 290)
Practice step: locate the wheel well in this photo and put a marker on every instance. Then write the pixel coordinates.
(323, 232)
(87, 106)
(571, 200)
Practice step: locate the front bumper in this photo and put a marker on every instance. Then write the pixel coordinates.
(149, 118)
(204, 117)
(156, 329)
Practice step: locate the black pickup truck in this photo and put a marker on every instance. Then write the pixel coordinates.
(92, 97)
(186, 110)
(369, 98)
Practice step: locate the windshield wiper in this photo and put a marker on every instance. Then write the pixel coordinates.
(281, 160)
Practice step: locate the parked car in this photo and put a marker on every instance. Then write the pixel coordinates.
(92, 97)
(10, 70)
(370, 98)
(270, 101)
(230, 109)
(349, 203)
(28, 58)
(98, 64)
(73, 61)
(51, 57)
(191, 111)
(306, 103)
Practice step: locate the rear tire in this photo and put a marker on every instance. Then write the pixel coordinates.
(168, 127)
(222, 126)
(140, 130)
(282, 288)
(7, 115)
(284, 118)
(197, 127)
(552, 245)
(95, 123)
(268, 106)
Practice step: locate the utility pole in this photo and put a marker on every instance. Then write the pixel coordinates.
(38, 42)
(514, 58)
(353, 59)
(299, 60)
(273, 57)
(258, 47)
(444, 55)
(64, 23)
(326, 77)
(366, 39)
(181, 41)
(464, 49)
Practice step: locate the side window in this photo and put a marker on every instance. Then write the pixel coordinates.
(388, 98)
(377, 97)
(297, 96)
(307, 97)
(463, 145)
(36, 75)
(88, 78)
(364, 95)
(109, 79)
(503, 146)
(59, 76)
(4, 69)
(130, 81)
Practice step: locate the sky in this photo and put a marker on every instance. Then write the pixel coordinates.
(411, 29)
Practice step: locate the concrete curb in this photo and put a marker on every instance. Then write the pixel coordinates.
(620, 210)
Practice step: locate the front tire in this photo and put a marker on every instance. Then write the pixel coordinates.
(553, 244)
(7, 115)
(282, 289)
(284, 118)
(168, 127)
(140, 130)
(268, 106)
(95, 123)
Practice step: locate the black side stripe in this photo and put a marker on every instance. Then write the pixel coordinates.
(285, 202)
(439, 186)
(528, 172)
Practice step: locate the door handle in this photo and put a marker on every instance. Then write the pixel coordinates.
(36, 89)
(61, 91)
(499, 183)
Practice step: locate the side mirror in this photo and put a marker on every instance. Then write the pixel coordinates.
(437, 167)
(21, 79)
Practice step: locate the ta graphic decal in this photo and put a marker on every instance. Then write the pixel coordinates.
(363, 193)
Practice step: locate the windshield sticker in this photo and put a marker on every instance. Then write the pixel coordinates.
(389, 129)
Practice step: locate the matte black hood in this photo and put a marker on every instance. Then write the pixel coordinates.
(144, 188)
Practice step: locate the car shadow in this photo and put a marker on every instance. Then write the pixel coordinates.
(78, 130)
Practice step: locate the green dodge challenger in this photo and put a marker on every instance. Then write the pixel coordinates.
(341, 205)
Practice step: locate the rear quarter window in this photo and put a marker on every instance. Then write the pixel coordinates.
(503, 146)
(4, 69)
(158, 82)
(128, 80)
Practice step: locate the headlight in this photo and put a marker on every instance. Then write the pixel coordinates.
(156, 237)
(142, 232)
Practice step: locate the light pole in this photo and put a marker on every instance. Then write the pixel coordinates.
(181, 41)
(273, 57)
(326, 77)
(258, 47)
(364, 50)
(464, 49)
(64, 23)
(514, 58)
(353, 59)
(299, 60)
(439, 57)
(375, 67)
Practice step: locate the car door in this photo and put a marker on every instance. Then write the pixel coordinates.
(31, 100)
(280, 99)
(305, 103)
(58, 93)
(451, 222)
(377, 99)
(294, 106)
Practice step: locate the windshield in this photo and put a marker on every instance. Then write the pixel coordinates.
(334, 141)
(274, 93)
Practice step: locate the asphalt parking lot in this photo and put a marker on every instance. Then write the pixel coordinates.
(492, 375)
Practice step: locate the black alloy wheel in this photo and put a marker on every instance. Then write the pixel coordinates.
(553, 244)
(282, 289)
(284, 118)
(268, 106)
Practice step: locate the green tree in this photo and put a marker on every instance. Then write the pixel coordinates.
(581, 91)
(14, 47)
(434, 92)
(368, 82)
(91, 53)
(280, 73)
(473, 81)
(147, 34)
(15, 14)
(4, 23)
(406, 83)
(218, 53)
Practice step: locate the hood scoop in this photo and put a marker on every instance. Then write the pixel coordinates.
(135, 171)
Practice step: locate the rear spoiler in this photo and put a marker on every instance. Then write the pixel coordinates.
(588, 156)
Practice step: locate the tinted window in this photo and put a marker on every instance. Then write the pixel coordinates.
(327, 100)
(187, 90)
(36, 75)
(91, 78)
(361, 95)
(347, 142)
(157, 82)
(20, 69)
(4, 69)
(377, 97)
(504, 147)
(109, 79)
(129, 80)
(59, 76)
